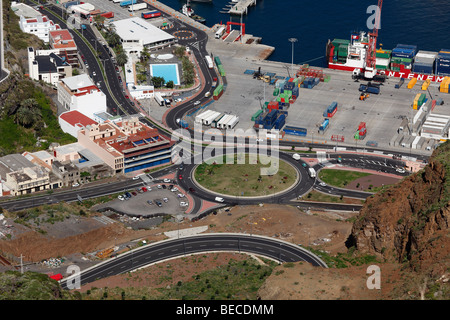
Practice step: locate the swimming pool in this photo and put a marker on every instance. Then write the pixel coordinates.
(167, 71)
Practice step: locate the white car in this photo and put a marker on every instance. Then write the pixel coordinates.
(259, 140)
(219, 199)
(174, 189)
(159, 186)
(93, 73)
(166, 180)
(184, 204)
(166, 199)
(136, 177)
(121, 198)
(180, 195)
(76, 185)
(400, 170)
(196, 103)
(178, 120)
(323, 184)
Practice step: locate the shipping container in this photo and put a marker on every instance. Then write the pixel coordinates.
(412, 83)
(400, 83)
(126, 3)
(257, 114)
(217, 60)
(296, 131)
(324, 125)
(151, 14)
(107, 15)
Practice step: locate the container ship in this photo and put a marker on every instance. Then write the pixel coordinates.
(404, 61)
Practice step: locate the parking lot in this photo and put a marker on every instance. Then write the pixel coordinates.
(158, 199)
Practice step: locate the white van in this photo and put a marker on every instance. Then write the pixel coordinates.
(219, 199)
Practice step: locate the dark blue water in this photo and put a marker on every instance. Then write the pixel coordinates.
(416, 22)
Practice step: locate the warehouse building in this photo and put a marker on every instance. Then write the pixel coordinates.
(136, 33)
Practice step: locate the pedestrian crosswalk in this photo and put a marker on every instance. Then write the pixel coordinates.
(380, 163)
(195, 45)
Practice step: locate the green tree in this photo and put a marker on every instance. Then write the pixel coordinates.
(158, 81)
(179, 52)
(113, 39)
(122, 58)
(170, 84)
(145, 55)
(28, 113)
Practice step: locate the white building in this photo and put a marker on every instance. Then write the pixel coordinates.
(40, 26)
(81, 94)
(72, 121)
(47, 65)
(136, 33)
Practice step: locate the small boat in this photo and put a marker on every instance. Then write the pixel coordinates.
(187, 11)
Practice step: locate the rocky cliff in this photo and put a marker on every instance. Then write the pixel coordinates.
(409, 222)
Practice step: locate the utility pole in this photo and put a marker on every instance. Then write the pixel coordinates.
(292, 40)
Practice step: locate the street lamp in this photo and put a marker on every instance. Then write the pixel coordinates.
(292, 40)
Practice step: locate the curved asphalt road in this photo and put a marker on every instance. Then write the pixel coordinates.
(280, 251)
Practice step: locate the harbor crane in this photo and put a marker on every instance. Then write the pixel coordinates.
(371, 58)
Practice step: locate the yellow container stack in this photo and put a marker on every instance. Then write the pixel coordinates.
(426, 84)
(444, 85)
(412, 83)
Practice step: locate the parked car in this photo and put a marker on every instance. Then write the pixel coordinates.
(159, 186)
(134, 193)
(166, 180)
(158, 203)
(164, 186)
(174, 189)
(144, 189)
(166, 199)
(184, 204)
(180, 177)
(400, 170)
(76, 185)
(121, 197)
(180, 195)
(136, 177)
(149, 201)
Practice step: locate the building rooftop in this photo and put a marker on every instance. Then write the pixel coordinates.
(13, 162)
(62, 39)
(76, 118)
(49, 64)
(138, 29)
(77, 82)
(22, 9)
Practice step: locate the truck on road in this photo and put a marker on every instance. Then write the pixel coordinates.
(312, 172)
(209, 62)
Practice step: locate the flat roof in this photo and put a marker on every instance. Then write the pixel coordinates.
(77, 82)
(138, 29)
(13, 162)
(22, 9)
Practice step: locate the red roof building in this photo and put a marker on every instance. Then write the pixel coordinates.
(72, 121)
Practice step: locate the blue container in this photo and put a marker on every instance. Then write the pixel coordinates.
(406, 46)
(280, 122)
(373, 90)
(296, 131)
(271, 117)
(332, 107)
(324, 125)
(423, 68)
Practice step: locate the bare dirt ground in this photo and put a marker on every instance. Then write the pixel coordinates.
(374, 180)
(320, 229)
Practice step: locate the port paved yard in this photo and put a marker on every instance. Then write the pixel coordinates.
(383, 113)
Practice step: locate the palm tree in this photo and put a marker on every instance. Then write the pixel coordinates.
(28, 113)
(122, 58)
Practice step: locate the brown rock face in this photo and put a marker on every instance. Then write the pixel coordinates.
(411, 219)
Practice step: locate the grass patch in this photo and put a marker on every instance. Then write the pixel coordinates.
(244, 179)
(340, 178)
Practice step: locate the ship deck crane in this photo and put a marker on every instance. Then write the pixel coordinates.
(370, 70)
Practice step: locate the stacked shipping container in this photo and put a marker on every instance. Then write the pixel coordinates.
(443, 62)
(424, 62)
(444, 85)
(419, 100)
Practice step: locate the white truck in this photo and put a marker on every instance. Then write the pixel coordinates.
(220, 32)
(137, 7)
(159, 98)
(209, 62)
(312, 172)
